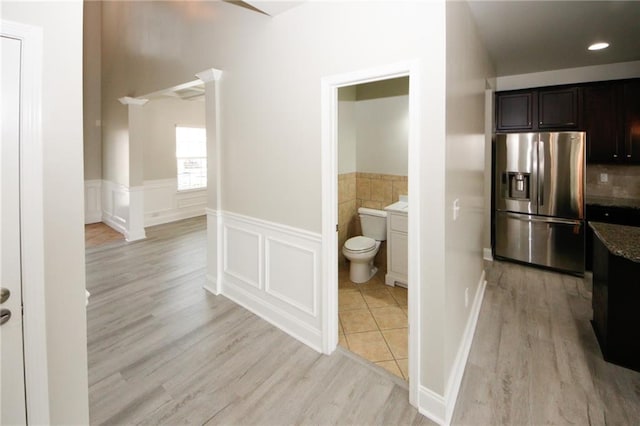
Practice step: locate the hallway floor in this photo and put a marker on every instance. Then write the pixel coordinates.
(373, 321)
(96, 234)
(164, 351)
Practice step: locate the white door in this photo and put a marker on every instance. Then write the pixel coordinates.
(12, 389)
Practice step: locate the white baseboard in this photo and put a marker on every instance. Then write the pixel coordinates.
(92, 201)
(487, 254)
(272, 270)
(432, 405)
(440, 408)
(211, 285)
(164, 204)
(457, 373)
(276, 316)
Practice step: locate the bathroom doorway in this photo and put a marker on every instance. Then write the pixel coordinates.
(330, 230)
(372, 126)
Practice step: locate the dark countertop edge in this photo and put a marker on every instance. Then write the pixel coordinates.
(611, 245)
(628, 203)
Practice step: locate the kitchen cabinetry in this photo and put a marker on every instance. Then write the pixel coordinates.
(608, 214)
(612, 121)
(538, 109)
(616, 293)
(397, 248)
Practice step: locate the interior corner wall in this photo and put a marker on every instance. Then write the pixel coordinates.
(92, 90)
(468, 68)
(346, 130)
(64, 270)
(161, 116)
(382, 127)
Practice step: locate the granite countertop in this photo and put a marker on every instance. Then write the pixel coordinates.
(621, 240)
(614, 202)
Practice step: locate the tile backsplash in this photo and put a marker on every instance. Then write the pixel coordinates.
(371, 190)
(622, 181)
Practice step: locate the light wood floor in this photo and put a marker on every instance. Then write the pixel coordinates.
(164, 351)
(535, 359)
(96, 234)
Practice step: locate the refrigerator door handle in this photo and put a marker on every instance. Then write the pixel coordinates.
(543, 219)
(541, 171)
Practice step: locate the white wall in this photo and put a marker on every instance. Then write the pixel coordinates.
(373, 126)
(92, 90)
(347, 136)
(62, 127)
(270, 102)
(158, 128)
(468, 68)
(382, 127)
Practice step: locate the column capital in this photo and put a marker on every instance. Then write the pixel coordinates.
(209, 75)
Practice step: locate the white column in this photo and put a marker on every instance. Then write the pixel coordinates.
(135, 219)
(211, 79)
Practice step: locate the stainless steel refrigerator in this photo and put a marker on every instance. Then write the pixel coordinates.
(539, 199)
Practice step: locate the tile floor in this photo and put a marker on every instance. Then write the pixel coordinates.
(96, 234)
(373, 321)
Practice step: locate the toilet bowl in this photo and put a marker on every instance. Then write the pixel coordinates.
(361, 250)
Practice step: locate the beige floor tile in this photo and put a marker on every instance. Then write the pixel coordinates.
(372, 285)
(398, 342)
(357, 321)
(404, 367)
(390, 317)
(369, 345)
(399, 294)
(379, 298)
(349, 299)
(391, 367)
(340, 328)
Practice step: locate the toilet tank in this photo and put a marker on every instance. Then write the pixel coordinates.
(374, 223)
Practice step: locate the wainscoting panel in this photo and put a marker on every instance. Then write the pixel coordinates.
(286, 265)
(274, 271)
(163, 203)
(115, 206)
(243, 256)
(92, 201)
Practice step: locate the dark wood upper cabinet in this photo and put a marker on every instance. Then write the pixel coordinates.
(631, 93)
(601, 119)
(538, 109)
(514, 111)
(612, 121)
(558, 109)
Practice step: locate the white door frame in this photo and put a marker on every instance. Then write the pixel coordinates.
(329, 123)
(32, 219)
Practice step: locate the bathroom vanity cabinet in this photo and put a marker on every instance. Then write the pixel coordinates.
(397, 244)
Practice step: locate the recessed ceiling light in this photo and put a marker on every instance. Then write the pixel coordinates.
(598, 46)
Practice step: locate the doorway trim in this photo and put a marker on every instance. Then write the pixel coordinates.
(329, 146)
(32, 219)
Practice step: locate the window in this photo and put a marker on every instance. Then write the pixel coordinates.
(191, 154)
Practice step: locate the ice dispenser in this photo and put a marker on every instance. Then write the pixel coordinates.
(517, 185)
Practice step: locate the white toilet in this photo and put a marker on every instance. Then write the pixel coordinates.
(362, 250)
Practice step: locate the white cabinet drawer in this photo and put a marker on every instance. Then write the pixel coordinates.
(399, 222)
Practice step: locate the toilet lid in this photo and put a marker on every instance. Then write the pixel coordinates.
(360, 244)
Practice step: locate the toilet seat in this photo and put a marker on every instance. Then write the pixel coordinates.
(360, 244)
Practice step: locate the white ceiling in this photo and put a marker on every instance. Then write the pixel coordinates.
(533, 36)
